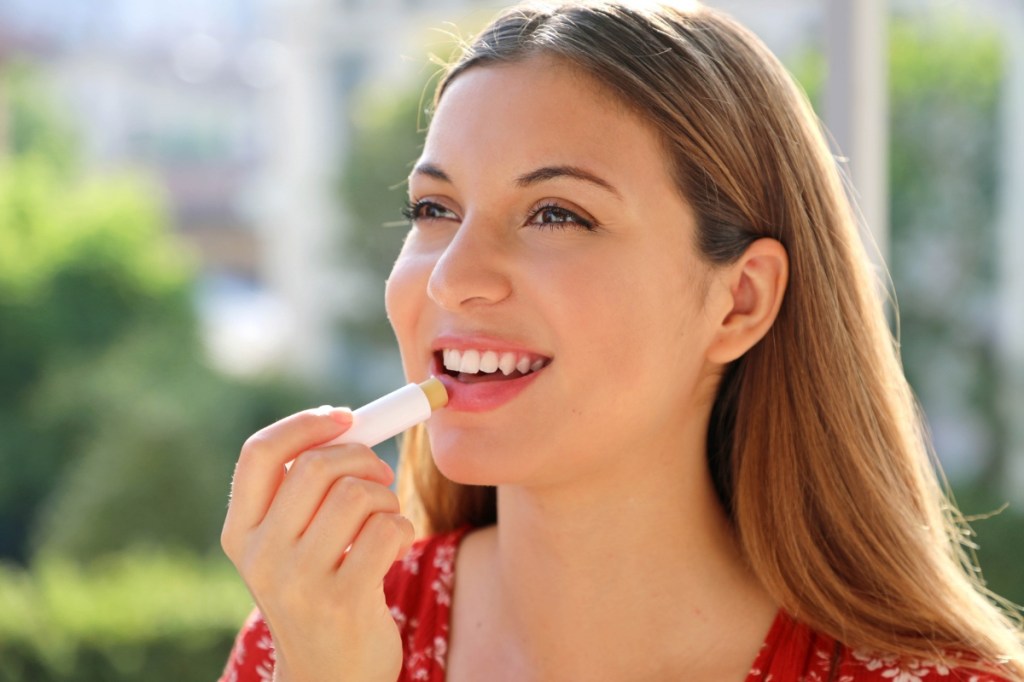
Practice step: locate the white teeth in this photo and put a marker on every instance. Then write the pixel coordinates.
(470, 362)
(507, 364)
(452, 359)
(489, 362)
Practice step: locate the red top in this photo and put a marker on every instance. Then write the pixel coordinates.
(419, 591)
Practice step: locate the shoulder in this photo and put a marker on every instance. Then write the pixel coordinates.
(793, 651)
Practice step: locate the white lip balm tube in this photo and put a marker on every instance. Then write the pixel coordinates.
(393, 413)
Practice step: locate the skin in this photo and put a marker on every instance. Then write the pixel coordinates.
(287, 535)
(607, 511)
(613, 559)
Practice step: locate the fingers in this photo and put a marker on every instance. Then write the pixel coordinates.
(346, 509)
(380, 542)
(332, 513)
(309, 481)
(260, 466)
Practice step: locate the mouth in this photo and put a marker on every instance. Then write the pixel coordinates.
(472, 365)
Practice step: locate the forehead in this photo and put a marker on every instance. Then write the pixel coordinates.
(537, 111)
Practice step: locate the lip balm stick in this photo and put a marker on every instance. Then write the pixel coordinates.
(393, 413)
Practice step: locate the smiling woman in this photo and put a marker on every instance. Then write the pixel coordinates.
(678, 445)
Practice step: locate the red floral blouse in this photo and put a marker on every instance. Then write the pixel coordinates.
(419, 592)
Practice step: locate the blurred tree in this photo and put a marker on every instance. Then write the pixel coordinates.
(945, 101)
(943, 163)
(108, 412)
(158, 438)
(387, 137)
(32, 125)
(944, 94)
(81, 261)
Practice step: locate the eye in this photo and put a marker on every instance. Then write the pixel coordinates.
(553, 216)
(427, 210)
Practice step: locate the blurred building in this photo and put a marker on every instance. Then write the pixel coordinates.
(172, 91)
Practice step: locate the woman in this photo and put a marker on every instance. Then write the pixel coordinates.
(679, 443)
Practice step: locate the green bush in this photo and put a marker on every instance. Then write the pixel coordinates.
(133, 616)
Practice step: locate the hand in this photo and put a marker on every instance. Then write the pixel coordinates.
(313, 546)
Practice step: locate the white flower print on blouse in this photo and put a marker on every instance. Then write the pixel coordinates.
(902, 670)
(411, 560)
(265, 669)
(444, 561)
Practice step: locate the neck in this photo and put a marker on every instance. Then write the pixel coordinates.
(651, 566)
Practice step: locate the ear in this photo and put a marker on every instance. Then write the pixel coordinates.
(749, 296)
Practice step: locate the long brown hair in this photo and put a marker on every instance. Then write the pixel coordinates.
(815, 444)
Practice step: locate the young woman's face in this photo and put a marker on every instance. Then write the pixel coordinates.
(548, 237)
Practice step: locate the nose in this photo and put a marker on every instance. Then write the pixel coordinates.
(472, 270)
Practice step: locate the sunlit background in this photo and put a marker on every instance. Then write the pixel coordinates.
(198, 208)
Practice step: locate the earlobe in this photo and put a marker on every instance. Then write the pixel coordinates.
(756, 285)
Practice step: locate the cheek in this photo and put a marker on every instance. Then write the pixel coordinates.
(404, 299)
(647, 316)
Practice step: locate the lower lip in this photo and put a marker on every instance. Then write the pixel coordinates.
(483, 396)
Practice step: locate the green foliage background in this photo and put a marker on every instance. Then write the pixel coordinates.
(945, 87)
(117, 441)
(115, 431)
(131, 616)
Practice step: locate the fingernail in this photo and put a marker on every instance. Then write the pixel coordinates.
(342, 415)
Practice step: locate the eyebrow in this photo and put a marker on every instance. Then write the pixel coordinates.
(531, 178)
(430, 170)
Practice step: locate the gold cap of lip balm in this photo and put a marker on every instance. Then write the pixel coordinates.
(435, 391)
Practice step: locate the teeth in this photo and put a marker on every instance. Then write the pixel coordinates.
(452, 359)
(488, 362)
(470, 362)
(507, 364)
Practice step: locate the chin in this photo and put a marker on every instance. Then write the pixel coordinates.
(471, 463)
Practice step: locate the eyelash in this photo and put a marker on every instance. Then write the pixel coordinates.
(412, 212)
